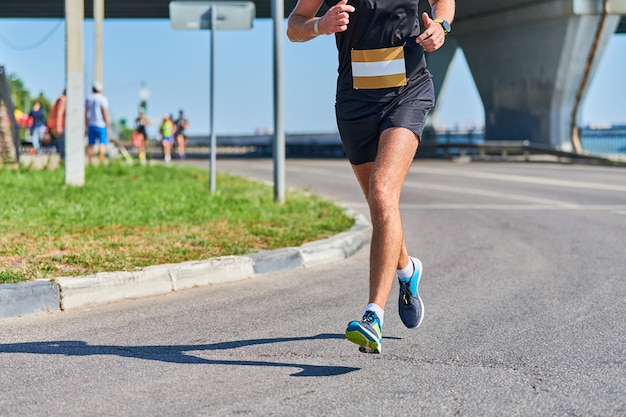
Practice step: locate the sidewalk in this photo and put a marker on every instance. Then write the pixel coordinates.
(60, 294)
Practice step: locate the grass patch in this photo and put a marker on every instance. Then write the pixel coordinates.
(127, 217)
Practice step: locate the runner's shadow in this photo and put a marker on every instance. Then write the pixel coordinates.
(178, 353)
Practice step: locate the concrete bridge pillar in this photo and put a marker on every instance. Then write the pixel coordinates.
(532, 63)
(438, 65)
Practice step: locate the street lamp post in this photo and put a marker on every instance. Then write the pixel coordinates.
(144, 95)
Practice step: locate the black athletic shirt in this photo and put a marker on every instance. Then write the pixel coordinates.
(380, 24)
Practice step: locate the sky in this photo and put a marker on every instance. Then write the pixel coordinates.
(173, 66)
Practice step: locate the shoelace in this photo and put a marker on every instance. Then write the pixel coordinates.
(369, 317)
(407, 297)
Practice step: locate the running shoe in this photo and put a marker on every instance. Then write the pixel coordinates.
(366, 333)
(410, 306)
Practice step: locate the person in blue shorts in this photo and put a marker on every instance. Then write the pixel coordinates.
(98, 123)
(384, 93)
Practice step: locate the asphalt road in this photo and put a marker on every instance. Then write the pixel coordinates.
(524, 292)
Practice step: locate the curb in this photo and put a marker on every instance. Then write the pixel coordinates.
(65, 293)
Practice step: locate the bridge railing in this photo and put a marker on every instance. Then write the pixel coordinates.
(450, 144)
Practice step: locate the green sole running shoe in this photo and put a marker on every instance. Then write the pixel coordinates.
(366, 333)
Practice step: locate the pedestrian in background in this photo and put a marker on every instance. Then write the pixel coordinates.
(181, 140)
(141, 125)
(38, 126)
(384, 93)
(56, 124)
(98, 123)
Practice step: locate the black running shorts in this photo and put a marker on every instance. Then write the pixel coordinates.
(361, 123)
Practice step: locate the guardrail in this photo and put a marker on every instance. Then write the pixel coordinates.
(505, 150)
(329, 146)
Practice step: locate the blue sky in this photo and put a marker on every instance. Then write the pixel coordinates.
(174, 65)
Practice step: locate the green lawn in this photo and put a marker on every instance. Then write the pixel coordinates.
(127, 217)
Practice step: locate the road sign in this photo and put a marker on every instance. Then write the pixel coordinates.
(212, 15)
(196, 15)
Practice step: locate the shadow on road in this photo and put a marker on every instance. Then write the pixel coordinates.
(178, 353)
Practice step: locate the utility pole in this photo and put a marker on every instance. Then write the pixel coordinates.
(98, 19)
(75, 108)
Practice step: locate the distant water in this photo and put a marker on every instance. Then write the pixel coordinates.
(610, 141)
(604, 141)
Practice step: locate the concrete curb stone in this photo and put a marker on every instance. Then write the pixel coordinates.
(67, 293)
(105, 287)
(29, 297)
(213, 271)
(276, 260)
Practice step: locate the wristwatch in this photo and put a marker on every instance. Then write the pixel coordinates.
(445, 25)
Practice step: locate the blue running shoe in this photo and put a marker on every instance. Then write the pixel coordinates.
(410, 306)
(367, 333)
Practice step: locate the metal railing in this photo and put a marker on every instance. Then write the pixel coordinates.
(448, 144)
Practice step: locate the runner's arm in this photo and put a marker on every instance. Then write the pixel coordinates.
(302, 24)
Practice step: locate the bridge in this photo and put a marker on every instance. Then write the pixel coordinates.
(531, 60)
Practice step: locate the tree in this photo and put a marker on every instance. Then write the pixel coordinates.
(21, 96)
(124, 131)
(19, 93)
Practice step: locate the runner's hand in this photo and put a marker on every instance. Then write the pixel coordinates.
(433, 36)
(336, 18)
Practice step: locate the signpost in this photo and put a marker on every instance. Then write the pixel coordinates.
(278, 14)
(212, 15)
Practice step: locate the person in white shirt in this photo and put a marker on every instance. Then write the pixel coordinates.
(98, 122)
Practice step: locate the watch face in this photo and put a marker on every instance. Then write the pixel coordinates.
(446, 26)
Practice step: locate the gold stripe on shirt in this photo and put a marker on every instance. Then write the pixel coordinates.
(376, 55)
(383, 81)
